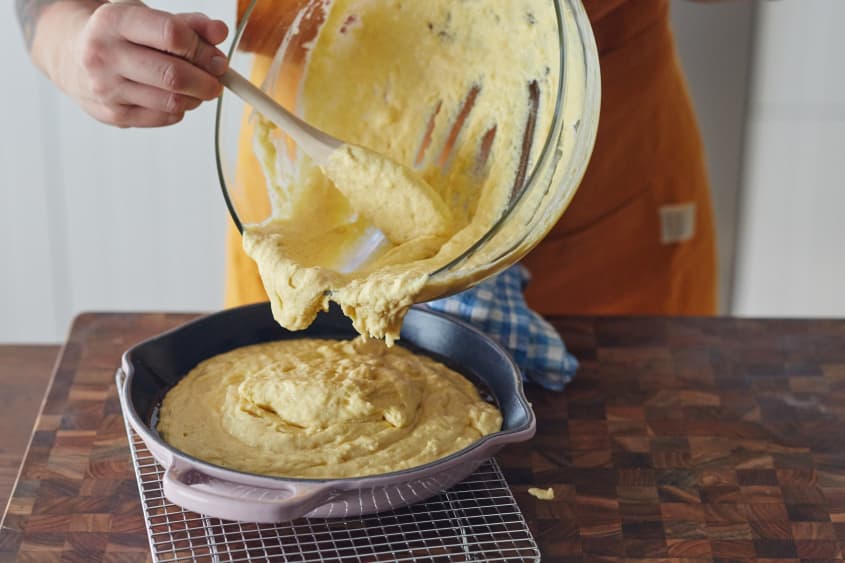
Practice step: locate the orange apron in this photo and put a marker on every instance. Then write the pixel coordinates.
(638, 237)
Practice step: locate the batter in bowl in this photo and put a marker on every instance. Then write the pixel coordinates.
(324, 409)
(454, 90)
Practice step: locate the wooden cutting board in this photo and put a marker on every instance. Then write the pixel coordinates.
(682, 439)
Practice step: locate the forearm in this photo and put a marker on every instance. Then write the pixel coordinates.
(47, 25)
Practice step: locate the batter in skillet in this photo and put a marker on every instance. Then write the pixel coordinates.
(324, 409)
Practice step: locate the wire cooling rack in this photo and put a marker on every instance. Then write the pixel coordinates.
(477, 520)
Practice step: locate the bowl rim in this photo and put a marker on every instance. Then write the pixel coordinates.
(496, 439)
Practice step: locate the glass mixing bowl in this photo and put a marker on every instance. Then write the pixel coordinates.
(537, 201)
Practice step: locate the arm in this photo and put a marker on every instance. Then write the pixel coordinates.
(129, 66)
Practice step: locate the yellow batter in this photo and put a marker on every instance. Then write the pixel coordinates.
(438, 86)
(388, 195)
(324, 409)
(542, 494)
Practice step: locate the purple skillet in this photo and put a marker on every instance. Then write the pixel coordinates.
(151, 368)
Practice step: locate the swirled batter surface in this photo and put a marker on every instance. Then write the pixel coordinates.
(324, 409)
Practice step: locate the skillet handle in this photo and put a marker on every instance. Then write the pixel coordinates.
(201, 493)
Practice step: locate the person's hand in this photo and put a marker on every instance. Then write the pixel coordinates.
(133, 66)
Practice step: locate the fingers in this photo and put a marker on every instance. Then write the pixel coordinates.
(134, 94)
(141, 67)
(165, 72)
(124, 92)
(132, 116)
(213, 31)
(169, 33)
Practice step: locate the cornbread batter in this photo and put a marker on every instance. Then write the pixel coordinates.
(388, 195)
(542, 494)
(324, 409)
(453, 90)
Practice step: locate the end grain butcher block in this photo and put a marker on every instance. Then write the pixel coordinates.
(682, 439)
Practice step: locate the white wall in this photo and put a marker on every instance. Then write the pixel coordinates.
(97, 218)
(30, 262)
(791, 247)
(714, 44)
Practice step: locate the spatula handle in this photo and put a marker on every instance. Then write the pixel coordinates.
(315, 143)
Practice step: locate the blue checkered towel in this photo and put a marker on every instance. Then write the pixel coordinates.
(497, 307)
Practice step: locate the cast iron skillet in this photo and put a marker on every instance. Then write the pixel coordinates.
(152, 367)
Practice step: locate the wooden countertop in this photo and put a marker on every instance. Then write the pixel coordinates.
(684, 439)
(24, 375)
